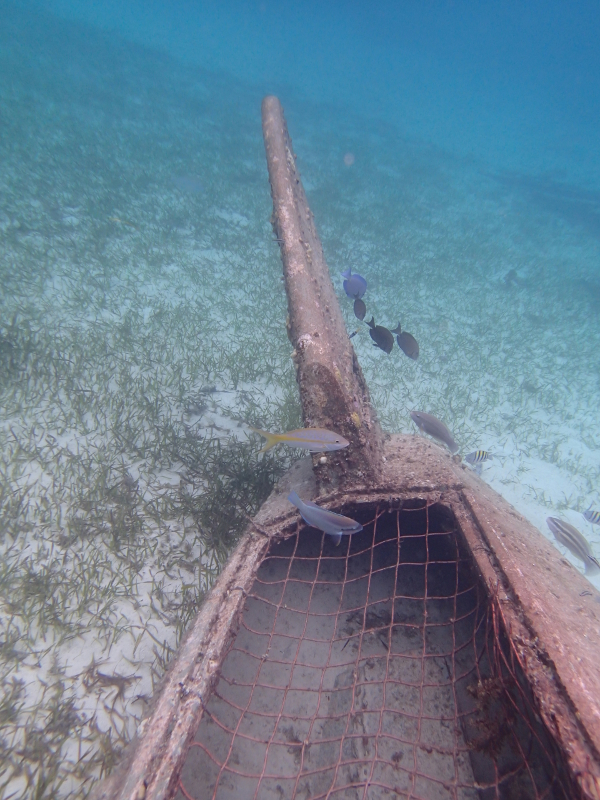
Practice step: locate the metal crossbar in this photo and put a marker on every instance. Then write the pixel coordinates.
(380, 668)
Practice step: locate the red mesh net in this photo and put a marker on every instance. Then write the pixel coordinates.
(376, 669)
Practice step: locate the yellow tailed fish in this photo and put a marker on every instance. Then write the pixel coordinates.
(317, 440)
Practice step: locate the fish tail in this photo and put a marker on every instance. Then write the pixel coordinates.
(592, 566)
(397, 329)
(272, 438)
(293, 497)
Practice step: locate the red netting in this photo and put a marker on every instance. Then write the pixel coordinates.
(376, 669)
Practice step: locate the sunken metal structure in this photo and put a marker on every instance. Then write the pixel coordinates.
(447, 651)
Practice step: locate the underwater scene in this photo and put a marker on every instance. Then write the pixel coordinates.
(449, 152)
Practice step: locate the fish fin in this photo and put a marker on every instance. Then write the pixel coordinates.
(293, 497)
(592, 566)
(397, 329)
(272, 438)
(337, 538)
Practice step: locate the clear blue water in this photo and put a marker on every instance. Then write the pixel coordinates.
(442, 145)
(516, 87)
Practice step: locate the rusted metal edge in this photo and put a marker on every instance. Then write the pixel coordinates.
(541, 594)
(562, 675)
(550, 610)
(155, 757)
(548, 606)
(151, 765)
(552, 698)
(333, 390)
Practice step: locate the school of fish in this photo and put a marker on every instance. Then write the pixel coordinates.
(317, 440)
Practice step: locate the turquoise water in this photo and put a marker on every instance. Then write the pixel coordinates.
(142, 314)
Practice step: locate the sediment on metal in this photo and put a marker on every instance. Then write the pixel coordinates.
(333, 391)
(379, 668)
(466, 627)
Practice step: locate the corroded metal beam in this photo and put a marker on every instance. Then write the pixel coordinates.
(333, 391)
(549, 609)
(550, 612)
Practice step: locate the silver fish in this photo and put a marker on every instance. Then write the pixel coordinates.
(323, 519)
(434, 427)
(592, 516)
(478, 456)
(570, 537)
(317, 440)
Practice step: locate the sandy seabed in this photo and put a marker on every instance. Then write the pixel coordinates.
(143, 325)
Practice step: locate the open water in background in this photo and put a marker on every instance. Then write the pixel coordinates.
(442, 145)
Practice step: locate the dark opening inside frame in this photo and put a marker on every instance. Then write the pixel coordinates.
(379, 668)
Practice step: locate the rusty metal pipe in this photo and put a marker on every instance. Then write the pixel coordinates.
(333, 391)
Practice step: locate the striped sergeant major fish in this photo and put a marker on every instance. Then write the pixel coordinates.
(478, 456)
(592, 516)
(570, 537)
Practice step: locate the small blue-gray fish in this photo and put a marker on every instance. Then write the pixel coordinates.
(570, 537)
(382, 337)
(434, 427)
(592, 516)
(317, 440)
(477, 456)
(328, 521)
(360, 309)
(354, 285)
(406, 342)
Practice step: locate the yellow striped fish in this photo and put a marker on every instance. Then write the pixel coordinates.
(592, 516)
(478, 456)
(570, 537)
(317, 440)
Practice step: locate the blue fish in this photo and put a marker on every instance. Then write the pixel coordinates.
(354, 285)
(328, 521)
(592, 516)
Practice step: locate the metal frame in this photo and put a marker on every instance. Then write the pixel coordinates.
(550, 613)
